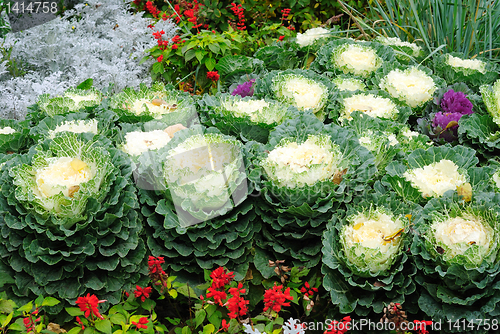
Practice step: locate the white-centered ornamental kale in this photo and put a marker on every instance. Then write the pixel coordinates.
(249, 118)
(372, 239)
(435, 179)
(204, 174)
(200, 217)
(71, 200)
(430, 173)
(60, 181)
(411, 49)
(349, 84)
(300, 91)
(312, 35)
(138, 142)
(412, 86)
(456, 249)
(365, 259)
(346, 56)
(76, 126)
(491, 98)
(73, 100)
(370, 104)
(454, 68)
(356, 59)
(303, 89)
(156, 103)
(78, 122)
(291, 164)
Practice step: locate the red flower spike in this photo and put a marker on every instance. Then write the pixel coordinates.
(88, 305)
(225, 325)
(219, 276)
(160, 58)
(218, 296)
(174, 47)
(275, 298)
(213, 75)
(140, 292)
(155, 265)
(237, 305)
(142, 323)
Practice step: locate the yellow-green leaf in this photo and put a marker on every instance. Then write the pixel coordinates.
(208, 329)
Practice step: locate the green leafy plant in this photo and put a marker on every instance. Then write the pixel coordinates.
(470, 33)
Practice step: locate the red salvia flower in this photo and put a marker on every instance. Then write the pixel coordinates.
(307, 290)
(79, 321)
(152, 9)
(225, 325)
(160, 58)
(88, 305)
(281, 38)
(237, 305)
(421, 326)
(220, 277)
(174, 47)
(213, 75)
(142, 323)
(155, 265)
(275, 298)
(218, 296)
(143, 293)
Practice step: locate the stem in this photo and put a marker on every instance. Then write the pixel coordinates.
(353, 19)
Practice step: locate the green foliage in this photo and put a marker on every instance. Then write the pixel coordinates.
(196, 55)
(470, 33)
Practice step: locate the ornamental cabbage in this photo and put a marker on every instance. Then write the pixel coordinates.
(356, 59)
(300, 91)
(473, 72)
(61, 178)
(248, 118)
(365, 260)
(435, 179)
(371, 241)
(311, 35)
(456, 249)
(291, 164)
(72, 202)
(429, 173)
(73, 99)
(491, 98)
(303, 89)
(205, 174)
(156, 103)
(348, 84)
(370, 104)
(411, 86)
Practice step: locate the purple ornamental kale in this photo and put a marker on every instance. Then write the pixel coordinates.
(456, 102)
(245, 89)
(443, 119)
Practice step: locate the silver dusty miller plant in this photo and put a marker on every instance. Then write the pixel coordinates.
(98, 39)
